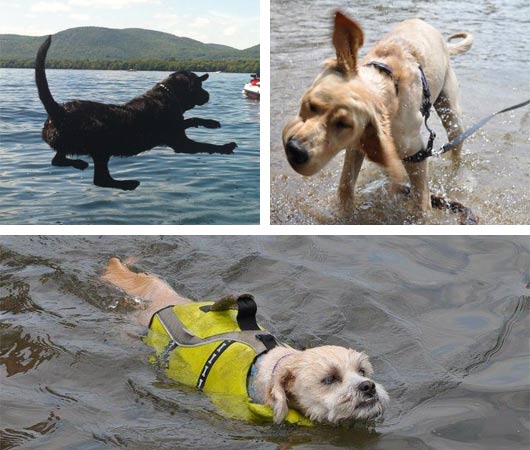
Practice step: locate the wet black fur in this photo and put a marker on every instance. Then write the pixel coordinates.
(102, 130)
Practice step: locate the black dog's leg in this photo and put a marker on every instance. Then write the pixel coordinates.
(197, 122)
(186, 145)
(102, 176)
(60, 160)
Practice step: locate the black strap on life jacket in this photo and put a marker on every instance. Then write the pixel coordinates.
(246, 320)
(250, 334)
(246, 316)
(246, 310)
(219, 350)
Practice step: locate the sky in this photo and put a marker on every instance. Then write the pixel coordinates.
(228, 22)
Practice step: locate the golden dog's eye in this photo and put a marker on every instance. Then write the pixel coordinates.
(312, 107)
(342, 125)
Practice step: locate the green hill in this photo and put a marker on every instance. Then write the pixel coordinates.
(96, 47)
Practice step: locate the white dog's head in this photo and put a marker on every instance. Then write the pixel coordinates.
(327, 384)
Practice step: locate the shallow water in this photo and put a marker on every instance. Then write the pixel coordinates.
(174, 189)
(445, 320)
(494, 180)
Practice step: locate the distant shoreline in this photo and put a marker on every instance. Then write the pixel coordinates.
(228, 65)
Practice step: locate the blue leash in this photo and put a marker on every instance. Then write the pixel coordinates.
(425, 111)
(426, 105)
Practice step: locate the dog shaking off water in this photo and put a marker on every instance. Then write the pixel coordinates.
(102, 130)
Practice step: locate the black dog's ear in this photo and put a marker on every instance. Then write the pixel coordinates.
(204, 77)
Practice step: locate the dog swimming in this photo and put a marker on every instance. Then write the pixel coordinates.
(219, 348)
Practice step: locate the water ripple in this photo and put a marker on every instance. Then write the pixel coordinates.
(175, 188)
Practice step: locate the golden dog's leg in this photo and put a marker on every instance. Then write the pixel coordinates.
(419, 181)
(448, 108)
(353, 160)
(155, 292)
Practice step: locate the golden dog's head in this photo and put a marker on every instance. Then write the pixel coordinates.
(328, 384)
(339, 111)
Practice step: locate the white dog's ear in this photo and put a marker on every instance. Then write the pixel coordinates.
(378, 145)
(278, 394)
(347, 39)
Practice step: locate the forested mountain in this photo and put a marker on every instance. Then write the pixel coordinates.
(107, 48)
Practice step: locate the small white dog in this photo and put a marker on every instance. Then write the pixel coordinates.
(327, 384)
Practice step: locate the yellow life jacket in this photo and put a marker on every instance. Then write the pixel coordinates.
(211, 346)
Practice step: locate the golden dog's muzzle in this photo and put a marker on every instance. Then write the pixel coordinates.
(297, 155)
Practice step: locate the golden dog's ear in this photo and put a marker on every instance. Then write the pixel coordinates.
(277, 398)
(378, 145)
(347, 39)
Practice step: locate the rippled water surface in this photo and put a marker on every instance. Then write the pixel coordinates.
(445, 321)
(174, 189)
(494, 180)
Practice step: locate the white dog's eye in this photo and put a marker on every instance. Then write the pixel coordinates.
(329, 380)
(362, 372)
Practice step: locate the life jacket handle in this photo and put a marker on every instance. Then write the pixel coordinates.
(246, 309)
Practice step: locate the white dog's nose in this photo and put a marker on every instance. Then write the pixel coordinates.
(367, 387)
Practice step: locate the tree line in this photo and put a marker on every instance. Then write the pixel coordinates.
(198, 65)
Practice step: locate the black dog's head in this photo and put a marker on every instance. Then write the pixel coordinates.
(187, 86)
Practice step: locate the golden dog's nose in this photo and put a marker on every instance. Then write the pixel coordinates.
(296, 154)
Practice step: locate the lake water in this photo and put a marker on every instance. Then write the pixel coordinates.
(494, 180)
(174, 189)
(444, 319)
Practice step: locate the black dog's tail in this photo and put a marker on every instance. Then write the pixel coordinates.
(54, 110)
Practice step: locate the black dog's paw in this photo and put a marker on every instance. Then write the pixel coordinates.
(125, 185)
(79, 164)
(228, 149)
(209, 123)
(128, 185)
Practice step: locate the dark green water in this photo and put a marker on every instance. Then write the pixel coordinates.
(444, 319)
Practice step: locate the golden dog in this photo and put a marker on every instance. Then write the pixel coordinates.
(376, 113)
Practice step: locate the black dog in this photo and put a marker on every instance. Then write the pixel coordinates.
(101, 130)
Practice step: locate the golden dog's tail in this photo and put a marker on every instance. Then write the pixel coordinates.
(462, 46)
